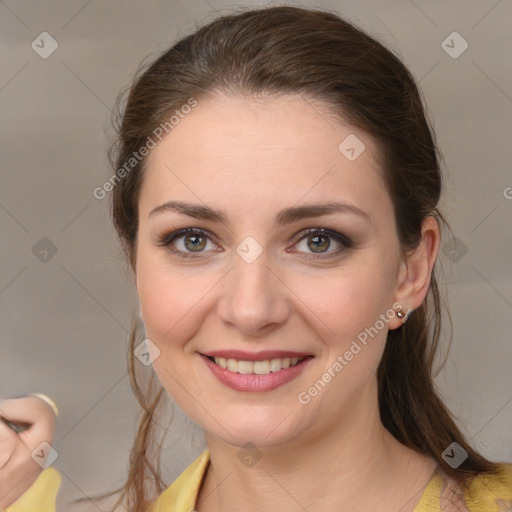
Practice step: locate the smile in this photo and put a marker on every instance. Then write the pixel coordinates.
(264, 371)
(256, 367)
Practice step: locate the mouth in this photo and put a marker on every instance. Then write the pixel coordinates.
(253, 372)
(265, 370)
(263, 367)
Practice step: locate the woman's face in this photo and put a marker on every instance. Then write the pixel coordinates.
(270, 281)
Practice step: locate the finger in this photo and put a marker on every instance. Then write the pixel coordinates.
(26, 409)
(36, 412)
(20, 472)
(17, 427)
(18, 466)
(8, 441)
(41, 431)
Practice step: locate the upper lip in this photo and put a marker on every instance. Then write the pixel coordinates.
(264, 355)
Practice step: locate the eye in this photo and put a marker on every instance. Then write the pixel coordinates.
(318, 240)
(186, 242)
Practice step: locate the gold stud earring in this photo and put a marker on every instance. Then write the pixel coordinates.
(403, 316)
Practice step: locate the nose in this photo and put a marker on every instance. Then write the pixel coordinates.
(254, 298)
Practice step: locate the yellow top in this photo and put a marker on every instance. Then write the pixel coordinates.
(486, 493)
(42, 494)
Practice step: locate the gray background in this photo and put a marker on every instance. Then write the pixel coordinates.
(64, 321)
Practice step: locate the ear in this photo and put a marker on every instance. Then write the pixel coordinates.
(415, 270)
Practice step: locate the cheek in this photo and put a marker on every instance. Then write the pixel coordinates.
(350, 310)
(164, 301)
(348, 299)
(170, 306)
(171, 301)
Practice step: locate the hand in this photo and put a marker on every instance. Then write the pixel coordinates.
(24, 424)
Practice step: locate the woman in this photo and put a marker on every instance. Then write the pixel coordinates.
(276, 194)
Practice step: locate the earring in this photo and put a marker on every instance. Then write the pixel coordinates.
(403, 316)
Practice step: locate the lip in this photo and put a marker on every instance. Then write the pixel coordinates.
(252, 382)
(240, 355)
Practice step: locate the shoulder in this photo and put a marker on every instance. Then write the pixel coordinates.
(182, 494)
(491, 492)
(485, 493)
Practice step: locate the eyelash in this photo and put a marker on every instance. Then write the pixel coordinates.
(168, 239)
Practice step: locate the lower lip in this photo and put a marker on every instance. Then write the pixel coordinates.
(252, 382)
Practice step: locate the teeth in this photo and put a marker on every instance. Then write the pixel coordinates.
(257, 367)
(245, 366)
(275, 365)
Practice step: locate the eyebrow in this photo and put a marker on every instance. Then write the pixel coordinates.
(285, 216)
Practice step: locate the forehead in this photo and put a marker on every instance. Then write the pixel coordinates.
(234, 149)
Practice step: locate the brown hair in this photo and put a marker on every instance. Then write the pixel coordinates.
(286, 50)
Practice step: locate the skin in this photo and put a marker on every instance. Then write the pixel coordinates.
(18, 470)
(251, 158)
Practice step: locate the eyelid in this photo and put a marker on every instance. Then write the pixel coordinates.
(169, 237)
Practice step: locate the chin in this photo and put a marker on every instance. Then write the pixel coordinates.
(263, 432)
(255, 438)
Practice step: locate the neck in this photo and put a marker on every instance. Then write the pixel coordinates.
(356, 465)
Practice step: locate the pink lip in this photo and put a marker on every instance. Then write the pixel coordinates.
(240, 355)
(251, 382)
